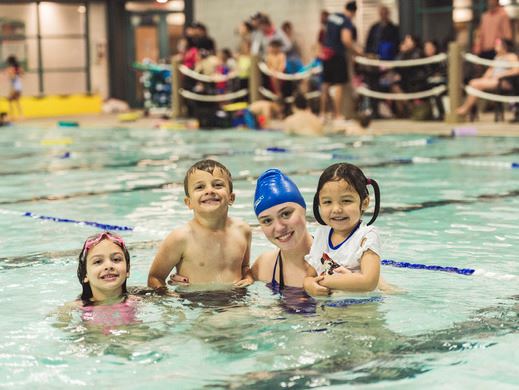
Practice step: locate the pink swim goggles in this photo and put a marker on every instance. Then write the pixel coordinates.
(96, 239)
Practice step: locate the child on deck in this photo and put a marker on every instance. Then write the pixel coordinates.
(212, 247)
(15, 73)
(276, 62)
(345, 253)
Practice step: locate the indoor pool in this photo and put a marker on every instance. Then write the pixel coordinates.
(447, 202)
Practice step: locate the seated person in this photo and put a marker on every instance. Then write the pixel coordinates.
(302, 121)
(260, 113)
(491, 78)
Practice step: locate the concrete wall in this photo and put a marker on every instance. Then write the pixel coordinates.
(304, 15)
(222, 18)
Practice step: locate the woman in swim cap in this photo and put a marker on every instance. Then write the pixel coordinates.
(281, 211)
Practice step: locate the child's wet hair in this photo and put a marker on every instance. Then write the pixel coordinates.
(86, 294)
(276, 43)
(206, 166)
(352, 175)
(300, 101)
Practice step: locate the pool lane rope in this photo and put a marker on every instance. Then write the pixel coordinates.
(392, 263)
(98, 225)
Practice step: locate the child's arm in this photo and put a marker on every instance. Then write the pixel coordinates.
(63, 314)
(312, 282)
(246, 272)
(365, 280)
(168, 256)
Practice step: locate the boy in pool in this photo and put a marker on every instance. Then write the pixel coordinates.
(212, 247)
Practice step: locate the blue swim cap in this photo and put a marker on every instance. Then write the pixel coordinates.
(273, 188)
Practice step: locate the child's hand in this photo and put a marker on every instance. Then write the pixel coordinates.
(164, 291)
(341, 270)
(315, 289)
(176, 279)
(246, 281)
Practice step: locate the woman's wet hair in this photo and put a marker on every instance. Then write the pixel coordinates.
(87, 295)
(352, 175)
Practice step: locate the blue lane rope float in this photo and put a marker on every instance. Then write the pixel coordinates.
(403, 264)
(99, 225)
(392, 263)
(352, 301)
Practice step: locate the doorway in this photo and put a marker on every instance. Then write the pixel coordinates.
(153, 38)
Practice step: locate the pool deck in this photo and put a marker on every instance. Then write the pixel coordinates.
(485, 126)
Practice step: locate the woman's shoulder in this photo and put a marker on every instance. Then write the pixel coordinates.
(266, 258)
(264, 264)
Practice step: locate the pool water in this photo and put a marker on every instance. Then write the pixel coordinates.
(446, 202)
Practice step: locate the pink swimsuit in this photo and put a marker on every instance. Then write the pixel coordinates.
(109, 316)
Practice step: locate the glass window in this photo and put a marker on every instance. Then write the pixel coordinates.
(61, 83)
(61, 19)
(17, 22)
(59, 53)
(24, 13)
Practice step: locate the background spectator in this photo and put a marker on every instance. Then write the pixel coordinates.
(383, 37)
(495, 24)
(340, 36)
(491, 77)
(294, 53)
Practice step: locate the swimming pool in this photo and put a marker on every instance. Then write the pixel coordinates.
(446, 202)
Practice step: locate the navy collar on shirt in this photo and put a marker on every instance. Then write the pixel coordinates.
(330, 245)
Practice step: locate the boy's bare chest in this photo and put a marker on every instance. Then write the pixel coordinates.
(215, 251)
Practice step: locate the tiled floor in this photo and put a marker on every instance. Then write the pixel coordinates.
(485, 126)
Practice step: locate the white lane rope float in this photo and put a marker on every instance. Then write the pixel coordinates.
(213, 98)
(491, 96)
(496, 63)
(387, 262)
(435, 91)
(206, 78)
(290, 99)
(401, 63)
(288, 76)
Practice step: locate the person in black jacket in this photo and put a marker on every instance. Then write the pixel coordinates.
(383, 37)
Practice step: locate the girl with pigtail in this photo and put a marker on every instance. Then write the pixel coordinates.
(345, 252)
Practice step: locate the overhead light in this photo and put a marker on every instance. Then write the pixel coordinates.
(161, 1)
(462, 15)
